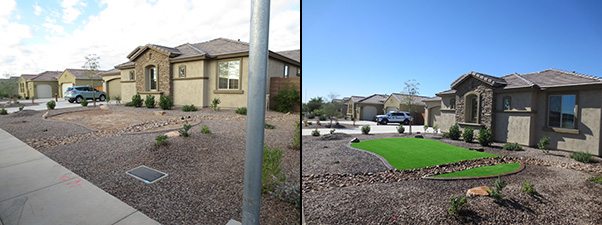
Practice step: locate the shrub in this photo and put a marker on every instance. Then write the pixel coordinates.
(297, 137)
(456, 204)
(496, 191)
(288, 192)
(84, 103)
(597, 180)
(485, 137)
(269, 126)
(3, 111)
(583, 157)
(426, 127)
(51, 104)
(512, 147)
(454, 132)
(161, 140)
(21, 108)
(528, 188)
(286, 99)
(271, 171)
(205, 129)
(149, 102)
(332, 131)
(445, 135)
(468, 135)
(365, 129)
(543, 143)
(215, 104)
(241, 111)
(401, 129)
(315, 132)
(436, 129)
(323, 117)
(311, 115)
(165, 102)
(130, 104)
(184, 130)
(189, 108)
(137, 100)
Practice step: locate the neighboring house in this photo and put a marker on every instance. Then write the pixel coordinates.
(368, 107)
(523, 108)
(295, 55)
(112, 83)
(341, 105)
(196, 73)
(351, 106)
(79, 77)
(432, 111)
(399, 102)
(24, 80)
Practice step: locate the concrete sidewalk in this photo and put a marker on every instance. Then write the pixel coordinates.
(36, 190)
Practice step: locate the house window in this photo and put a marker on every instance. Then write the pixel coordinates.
(285, 71)
(507, 101)
(471, 111)
(132, 77)
(452, 103)
(229, 74)
(298, 72)
(561, 111)
(182, 71)
(151, 77)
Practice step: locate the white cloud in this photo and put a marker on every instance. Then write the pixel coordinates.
(10, 46)
(122, 25)
(37, 9)
(72, 9)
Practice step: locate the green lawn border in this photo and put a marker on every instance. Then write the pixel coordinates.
(431, 177)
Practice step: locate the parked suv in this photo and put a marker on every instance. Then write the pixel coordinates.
(394, 117)
(79, 93)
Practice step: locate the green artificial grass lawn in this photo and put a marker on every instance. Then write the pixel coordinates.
(483, 171)
(597, 179)
(410, 153)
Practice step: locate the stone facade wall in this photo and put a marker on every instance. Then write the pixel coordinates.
(161, 61)
(486, 100)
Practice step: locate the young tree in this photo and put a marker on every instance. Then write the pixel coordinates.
(315, 103)
(92, 64)
(411, 90)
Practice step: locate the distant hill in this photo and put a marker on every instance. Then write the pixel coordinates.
(9, 87)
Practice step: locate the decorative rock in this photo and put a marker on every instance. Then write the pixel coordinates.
(355, 140)
(104, 107)
(159, 113)
(45, 115)
(478, 191)
(172, 134)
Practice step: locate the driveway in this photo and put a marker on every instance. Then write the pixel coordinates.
(41, 105)
(374, 128)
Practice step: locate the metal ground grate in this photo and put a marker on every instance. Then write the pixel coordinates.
(146, 174)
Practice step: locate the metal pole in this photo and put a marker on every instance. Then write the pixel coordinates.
(258, 62)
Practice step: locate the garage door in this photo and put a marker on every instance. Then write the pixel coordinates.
(64, 88)
(368, 113)
(389, 109)
(114, 88)
(43, 91)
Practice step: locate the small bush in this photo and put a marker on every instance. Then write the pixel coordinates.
(365, 129)
(271, 171)
(454, 132)
(241, 111)
(315, 133)
(288, 192)
(165, 102)
(269, 126)
(3, 111)
(130, 104)
(496, 191)
(286, 99)
(205, 129)
(401, 129)
(512, 147)
(543, 143)
(583, 157)
(468, 135)
(149, 102)
(323, 117)
(215, 104)
(297, 137)
(161, 140)
(21, 108)
(456, 204)
(184, 130)
(597, 180)
(84, 103)
(50, 105)
(485, 137)
(436, 129)
(189, 108)
(137, 101)
(311, 115)
(445, 135)
(332, 131)
(426, 127)
(528, 188)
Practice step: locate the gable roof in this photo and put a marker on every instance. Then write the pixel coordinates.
(374, 99)
(84, 74)
(28, 76)
(109, 72)
(292, 54)
(433, 99)
(559, 78)
(47, 76)
(400, 97)
(488, 79)
(355, 99)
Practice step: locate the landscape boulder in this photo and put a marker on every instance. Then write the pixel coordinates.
(171, 134)
(355, 140)
(159, 113)
(104, 107)
(478, 191)
(45, 115)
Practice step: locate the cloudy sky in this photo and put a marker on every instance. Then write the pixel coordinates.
(41, 35)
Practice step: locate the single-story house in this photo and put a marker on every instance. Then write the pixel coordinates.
(197, 73)
(24, 80)
(523, 108)
(79, 77)
(112, 83)
(43, 85)
(368, 107)
(294, 55)
(399, 102)
(432, 108)
(351, 105)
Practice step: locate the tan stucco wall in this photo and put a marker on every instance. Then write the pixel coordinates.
(391, 102)
(228, 100)
(193, 69)
(186, 92)
(65, 77)
(512, 127)
(518, 100)
(25, 93)
(432, 113)
(446, 120)
(128, 89)
(112, 85)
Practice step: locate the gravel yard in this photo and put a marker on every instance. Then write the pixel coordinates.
(345, 186)
(204, 185)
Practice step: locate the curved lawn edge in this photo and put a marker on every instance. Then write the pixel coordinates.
(382, 159)
(520, 168)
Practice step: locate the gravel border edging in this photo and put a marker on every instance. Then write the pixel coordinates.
(160, 131)
(383, 160)
(521, 168)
